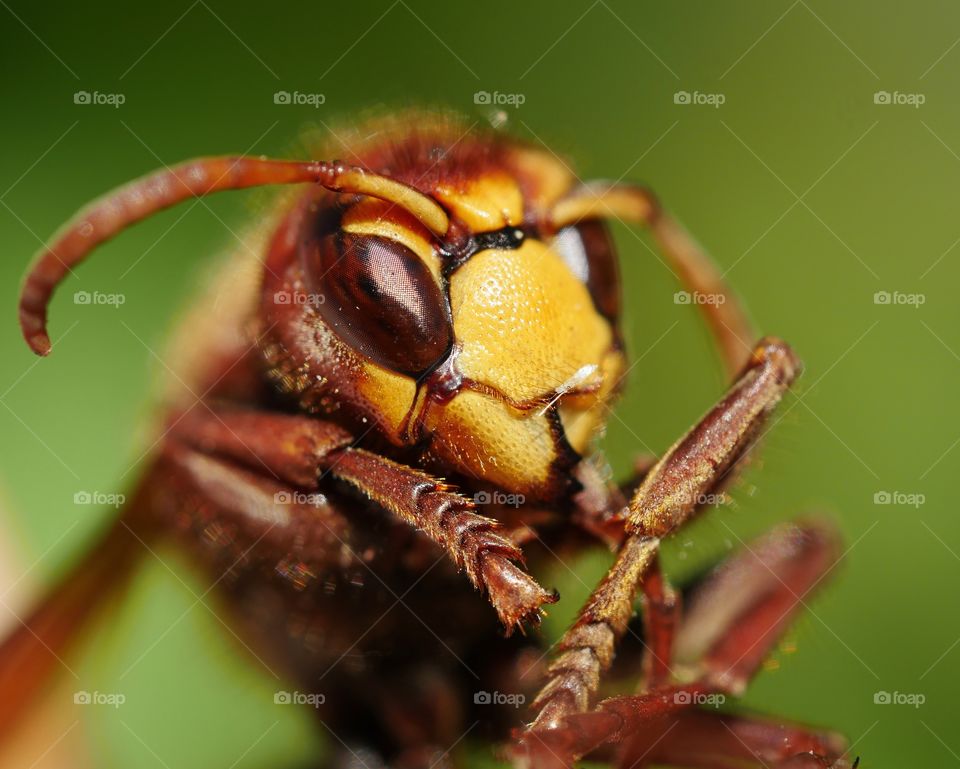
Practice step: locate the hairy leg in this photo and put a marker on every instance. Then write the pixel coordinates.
(661, 613)
(702, 740)
(301, 449)
(667, 498)
(763, 588)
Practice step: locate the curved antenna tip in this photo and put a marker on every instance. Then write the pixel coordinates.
(33, 326)
(39, 343)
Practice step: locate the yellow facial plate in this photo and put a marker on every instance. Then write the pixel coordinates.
(525, 324)
(551, 179)
(490, 202)
(488, 439)
(582, 416)
(392, 395)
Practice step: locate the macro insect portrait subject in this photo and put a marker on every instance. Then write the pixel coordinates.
(408, 385)
(437, 323)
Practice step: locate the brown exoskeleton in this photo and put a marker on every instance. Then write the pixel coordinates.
(434, 325)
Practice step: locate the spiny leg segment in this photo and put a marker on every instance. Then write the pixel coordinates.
(719, 647)
(674, 489)
(300, 449)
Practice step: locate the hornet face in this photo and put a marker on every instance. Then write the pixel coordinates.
(454, 294)
(495, 350)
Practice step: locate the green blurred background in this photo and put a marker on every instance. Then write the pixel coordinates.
(813, 196)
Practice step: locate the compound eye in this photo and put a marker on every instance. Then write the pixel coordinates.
(381, 299)
(587, 249)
